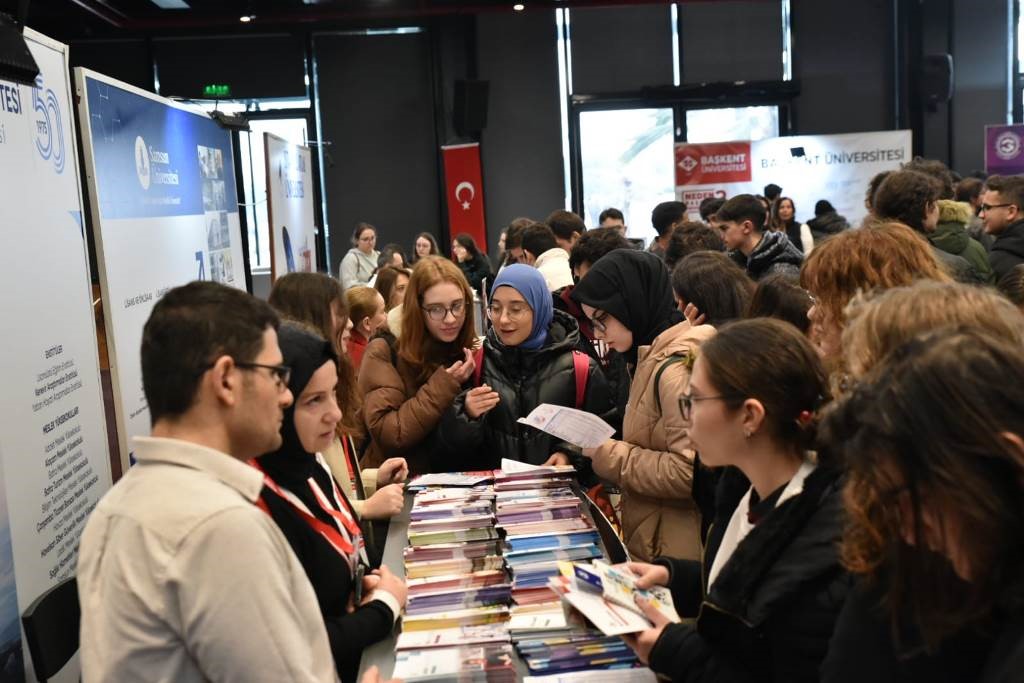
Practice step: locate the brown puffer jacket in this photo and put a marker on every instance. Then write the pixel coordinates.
(653, 464)
(400, 413)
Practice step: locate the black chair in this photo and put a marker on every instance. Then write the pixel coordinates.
(51, 628)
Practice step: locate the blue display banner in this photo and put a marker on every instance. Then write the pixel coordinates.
(153, 160)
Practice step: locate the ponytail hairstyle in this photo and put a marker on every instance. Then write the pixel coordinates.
(362, 303)
(771, 361)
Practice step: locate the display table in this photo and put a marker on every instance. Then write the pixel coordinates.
(382, 654)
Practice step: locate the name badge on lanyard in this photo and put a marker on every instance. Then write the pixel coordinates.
(344, 536)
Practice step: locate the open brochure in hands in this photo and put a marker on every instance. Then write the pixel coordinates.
(605, 596)
(577, 427)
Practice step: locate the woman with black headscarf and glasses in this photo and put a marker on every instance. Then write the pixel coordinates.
(628, 297)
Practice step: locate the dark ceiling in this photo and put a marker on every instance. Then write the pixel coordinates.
(79, 18)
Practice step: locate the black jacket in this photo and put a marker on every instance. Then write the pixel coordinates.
(348, 633)
(523, 379)
(1006, 659)
(826, 225)
(863, 648)
(1007, 250)
(477, 269)
(772, 609)
(774, 255)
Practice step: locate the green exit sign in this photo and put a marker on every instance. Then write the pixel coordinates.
(217, 90)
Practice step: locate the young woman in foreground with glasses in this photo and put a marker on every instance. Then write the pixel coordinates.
(527, 360)
(770, 586)
(408, 386)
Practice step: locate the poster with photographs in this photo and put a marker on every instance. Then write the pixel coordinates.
(215, 207)
(162, 191)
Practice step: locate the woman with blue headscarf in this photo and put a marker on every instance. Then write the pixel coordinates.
(527, 360)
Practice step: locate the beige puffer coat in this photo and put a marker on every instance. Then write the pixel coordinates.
(653, 464)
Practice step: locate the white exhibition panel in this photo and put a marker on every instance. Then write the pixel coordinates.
(806, 167)
(290, 207)
(164, 208)
(53, 444)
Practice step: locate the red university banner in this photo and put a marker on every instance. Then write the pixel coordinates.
(465, 192)
(712, 163)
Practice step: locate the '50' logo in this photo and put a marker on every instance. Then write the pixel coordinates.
(49, 128)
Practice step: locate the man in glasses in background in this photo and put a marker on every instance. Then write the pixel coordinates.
(181, 576)
(1002, 210)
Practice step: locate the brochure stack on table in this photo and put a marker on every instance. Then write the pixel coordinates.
(484, 552)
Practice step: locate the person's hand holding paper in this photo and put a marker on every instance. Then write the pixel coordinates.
(568, 424)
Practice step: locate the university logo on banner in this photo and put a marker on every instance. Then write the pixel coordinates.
(1004, 149)
(464, 184)
(713, 163)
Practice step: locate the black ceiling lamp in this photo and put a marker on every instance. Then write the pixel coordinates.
(16, 61)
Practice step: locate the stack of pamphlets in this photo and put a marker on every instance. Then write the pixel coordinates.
(543, 526)
(485, 557)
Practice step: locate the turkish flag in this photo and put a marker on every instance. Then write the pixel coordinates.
(465, 192)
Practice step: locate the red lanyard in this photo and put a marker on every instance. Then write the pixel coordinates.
(346, 547)
(346, 449)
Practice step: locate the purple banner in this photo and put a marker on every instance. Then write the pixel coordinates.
(1004, 149)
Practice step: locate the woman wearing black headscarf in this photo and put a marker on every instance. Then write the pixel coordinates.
(302, 497)
(628, 297)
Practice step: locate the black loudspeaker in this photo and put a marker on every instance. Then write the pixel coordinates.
(470, 108)
(936, 79)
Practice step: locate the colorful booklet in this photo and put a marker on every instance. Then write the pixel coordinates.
(494, 663)
(444, 568)
(452, 637)
(475, 616)
(451, 551)
(433, 537)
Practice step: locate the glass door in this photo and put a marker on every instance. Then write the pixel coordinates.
(626, 161)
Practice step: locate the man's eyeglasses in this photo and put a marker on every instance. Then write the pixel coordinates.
(513, 313)
(281, 373)
(686, 402)
(989, 207)
(437, 312)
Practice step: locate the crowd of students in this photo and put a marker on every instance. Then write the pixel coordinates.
(819, 439)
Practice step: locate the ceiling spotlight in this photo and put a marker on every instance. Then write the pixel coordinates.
(519, 7)
(246, 18)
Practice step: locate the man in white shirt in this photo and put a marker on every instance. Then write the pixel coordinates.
(181, 576)
(541, 251)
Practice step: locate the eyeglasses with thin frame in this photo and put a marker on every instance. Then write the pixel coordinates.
(281, 373)
(989, 207)
(438, 312)
(513, 313)
(686, 402)
(598, 322)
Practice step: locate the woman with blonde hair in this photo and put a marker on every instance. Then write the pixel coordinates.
(876, 256)
(367, 310)
(408, 385)
(875, 325)
(318, 302)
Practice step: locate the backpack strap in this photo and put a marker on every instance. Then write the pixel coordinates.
(581, 369)
(478, 360)
(673, 359)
